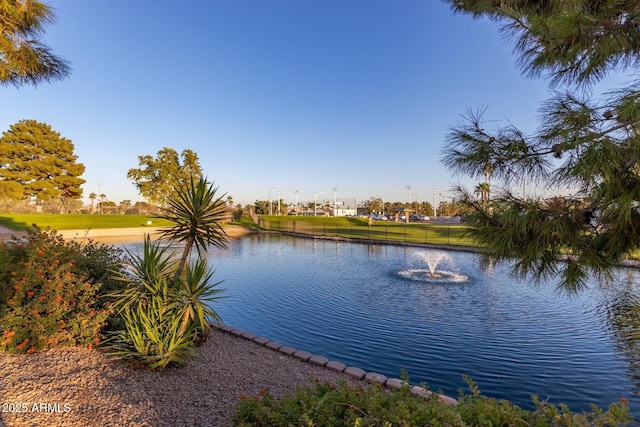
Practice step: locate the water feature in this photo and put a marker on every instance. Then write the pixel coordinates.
(374, 306)
(433, 258)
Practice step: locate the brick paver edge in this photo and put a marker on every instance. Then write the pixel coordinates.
(323, 362)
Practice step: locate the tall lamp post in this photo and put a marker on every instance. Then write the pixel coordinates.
(315, 201)
(435, 212)
(271, 201)
(335, 203)
(99, 198)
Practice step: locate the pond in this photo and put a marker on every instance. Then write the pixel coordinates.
(378, 307)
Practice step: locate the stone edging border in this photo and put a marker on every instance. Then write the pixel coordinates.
(333, 365)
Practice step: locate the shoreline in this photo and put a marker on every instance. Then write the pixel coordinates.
(115, 235)
(90, 388)
(83, 386)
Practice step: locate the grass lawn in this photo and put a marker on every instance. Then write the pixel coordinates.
(359, 228)
(19, 222)
(347, 227)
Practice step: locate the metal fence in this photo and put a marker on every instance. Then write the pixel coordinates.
(421, 233)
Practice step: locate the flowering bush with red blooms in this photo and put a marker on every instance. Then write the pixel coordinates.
(50, 292)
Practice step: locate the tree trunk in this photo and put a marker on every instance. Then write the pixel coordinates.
(183, 259)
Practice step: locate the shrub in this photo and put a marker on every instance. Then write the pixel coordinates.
(163, 319)
(165, 306)
(325, 405)
(50, 292)
(152, 335)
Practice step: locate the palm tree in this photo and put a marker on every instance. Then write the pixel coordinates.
(483, 189)
(197, 213)
(103, 197)
(92, 196)
(487, 171)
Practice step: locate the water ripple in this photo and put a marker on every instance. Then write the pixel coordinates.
(373, 306)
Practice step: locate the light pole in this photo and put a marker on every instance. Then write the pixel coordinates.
(271, 200)
(335, 204)
(315, 201)
(435, 212)
(99, 198)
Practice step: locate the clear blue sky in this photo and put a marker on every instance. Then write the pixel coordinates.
(300, 95)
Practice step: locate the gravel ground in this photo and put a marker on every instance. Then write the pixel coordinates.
(81, 387)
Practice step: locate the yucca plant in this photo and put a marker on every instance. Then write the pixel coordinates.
(144, 275)
(197, 294)
(166, 305)
(197, 213)
(152, 336)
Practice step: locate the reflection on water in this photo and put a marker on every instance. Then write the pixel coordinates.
(434, 276)
(623, 313)
(360, 304)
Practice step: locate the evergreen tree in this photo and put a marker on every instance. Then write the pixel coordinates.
(261, 207)
(35, 161)
(157, 177)
(24, 59)
(591, 146)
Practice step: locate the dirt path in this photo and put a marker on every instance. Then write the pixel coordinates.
(78, 387)
(6, 233)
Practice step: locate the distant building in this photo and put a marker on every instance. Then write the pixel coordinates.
(308, 212)
(344, 207)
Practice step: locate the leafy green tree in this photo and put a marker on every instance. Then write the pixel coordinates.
(374, 204)
(395, 206)
(125, 205)
(24, 59)
(156, 177)
(40, 161)
(425, 208)
(10, 190)
(586, 144)
(261, 207)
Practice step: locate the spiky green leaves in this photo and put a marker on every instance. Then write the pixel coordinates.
(164, 319)
(197, 212)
